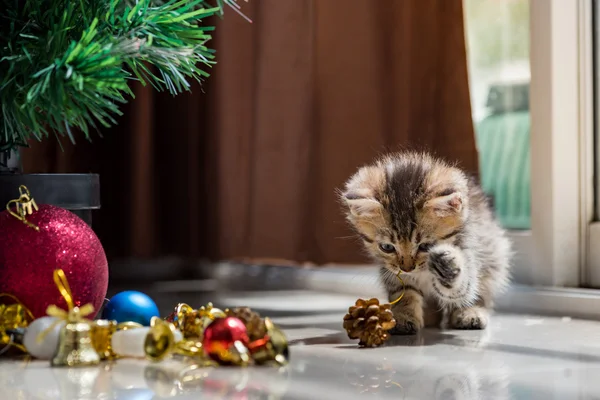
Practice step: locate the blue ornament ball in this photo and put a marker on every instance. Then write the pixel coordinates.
(130, 306)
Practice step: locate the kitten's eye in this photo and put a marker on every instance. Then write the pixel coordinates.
(424, 247)
(387, 248)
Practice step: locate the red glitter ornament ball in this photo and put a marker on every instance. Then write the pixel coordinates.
(220, 336)
(28, 259)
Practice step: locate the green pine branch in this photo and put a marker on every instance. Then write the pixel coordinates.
(66, 65)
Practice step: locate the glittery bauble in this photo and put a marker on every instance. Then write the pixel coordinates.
(220, 336)
(28, 259)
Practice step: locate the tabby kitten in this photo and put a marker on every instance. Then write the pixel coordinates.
(423, 218)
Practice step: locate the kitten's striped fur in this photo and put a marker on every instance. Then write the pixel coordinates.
(453, 254)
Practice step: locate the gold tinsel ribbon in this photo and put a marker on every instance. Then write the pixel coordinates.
(75, 314)
(403, 289)
(13, 316)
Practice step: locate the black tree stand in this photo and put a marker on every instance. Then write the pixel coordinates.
(78, 193)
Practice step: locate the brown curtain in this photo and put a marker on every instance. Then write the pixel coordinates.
(247, 165)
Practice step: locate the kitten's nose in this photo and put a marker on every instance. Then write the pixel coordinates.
(407, 264)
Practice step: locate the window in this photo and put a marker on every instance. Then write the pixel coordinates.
(499, 76)
(530, 64)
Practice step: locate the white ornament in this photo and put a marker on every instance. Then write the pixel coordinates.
(130, 343)
(45, 349)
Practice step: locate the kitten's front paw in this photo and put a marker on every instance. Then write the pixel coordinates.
(406, 325)
(469, 318)
(444, 263)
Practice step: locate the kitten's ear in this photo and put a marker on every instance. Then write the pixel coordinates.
(445, 206)
(361, 203)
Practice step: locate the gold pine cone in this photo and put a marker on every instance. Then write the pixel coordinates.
(255, 325)
(369, 321)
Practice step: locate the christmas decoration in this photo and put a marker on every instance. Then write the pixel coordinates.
(13, 317)
(369, 322)
(254, 323)
(209, 313)
(206, 337)
(225, 341)
(267, 344)
(164, 340)
(272, 348)
(132, 342)
(102, 332)
(38, 239)
(43, 349)
(193, 322)
(74, 342)
(130, 306)
(160, 339)
(69, 70)
(75, 348)
(178, 314)
(109, 343)
(187, 320)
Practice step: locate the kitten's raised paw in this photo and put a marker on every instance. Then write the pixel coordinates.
(470, 318)
(443, 263)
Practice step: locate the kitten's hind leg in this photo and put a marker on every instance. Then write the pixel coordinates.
(408, 312)
(475, 317)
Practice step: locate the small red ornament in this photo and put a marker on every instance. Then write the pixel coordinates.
(223, 338)
(28, 258)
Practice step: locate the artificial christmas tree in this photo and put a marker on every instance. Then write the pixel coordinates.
(65, 68)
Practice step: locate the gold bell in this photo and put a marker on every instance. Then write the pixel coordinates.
(75, 347)
(162, 342)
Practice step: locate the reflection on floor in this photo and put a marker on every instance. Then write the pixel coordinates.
(518, 357)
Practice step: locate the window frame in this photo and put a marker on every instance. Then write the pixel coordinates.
(593, 252)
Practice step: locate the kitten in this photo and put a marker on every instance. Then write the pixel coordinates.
(424, 218)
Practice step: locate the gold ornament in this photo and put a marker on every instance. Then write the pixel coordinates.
(369, 322)
(238, 355)
(102, 331)
(13, 317)
(272, 348)
(24, 206)
(188, 321)
(255, 325)
(209, 313)
(192, 322)
(75, 346)
(160, 343)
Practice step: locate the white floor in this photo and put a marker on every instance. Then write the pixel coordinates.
(518, 357)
